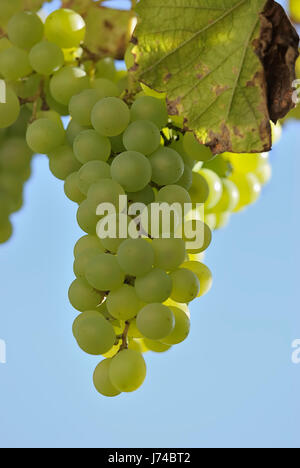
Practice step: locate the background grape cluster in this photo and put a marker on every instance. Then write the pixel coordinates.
(132, 294)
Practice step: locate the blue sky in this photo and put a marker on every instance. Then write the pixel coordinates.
(231, 384)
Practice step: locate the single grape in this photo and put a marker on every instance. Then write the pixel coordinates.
(81, 261)
(82, 296)
(186, 285)
(112, 230)
(169, 253)
(102, 380)
(92, 172)
(221, 165)
(130, 253)
(46, 58)
(6, 231)
(67, 82)
(105, 68)
(105, 191)
(71, 188)
(11, 184)
(264, 173)
(181, 329)
(25, 29)
(195, 149)
(249, 188)
(133, 331)
(10, 110)
(127, 370)
(110, 116)
(199, 191)
(150, 108)
(105, 88)
(87, 218)
(142, 136)
(28, 86)
(197, 232)
(137, 345)
(177, 145)
(186, 180)
(14, 64)
(66, 28)
(51, 115)
(86, 243)
(15, 156)
(215, 187)
(8, 8)
(229, 199)
(90, 146)
(173, 194)
(167, 166)
(246, 162)
(44, 135)
(155, 321)
(156, 346)
(104, 273)
(123, 303)
(155, 286)
(131, 170)
(93, 333)
(53, 104)
(74, 129)
(62, 162)
(81, 106)
(145, 196)
(5, 207)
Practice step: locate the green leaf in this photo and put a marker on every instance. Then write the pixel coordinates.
(202, 54)
(108, 29)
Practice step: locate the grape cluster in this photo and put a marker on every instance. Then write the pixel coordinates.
(132, 292)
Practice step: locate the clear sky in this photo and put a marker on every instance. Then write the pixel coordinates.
(231, 384)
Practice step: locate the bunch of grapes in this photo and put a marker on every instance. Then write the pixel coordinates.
(132, 291)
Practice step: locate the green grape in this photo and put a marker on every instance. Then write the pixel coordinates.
(129, 57)
(11, 184)
(15, 156)
(14, 63)
(264, 173)
(203, 273)
(66, 28)
(90, 146)
(105, 68)
(215, 187)
(123, 303)
(222, 220)
(82, 260)
(127, 370)
(93, 333)
(44, 135)
(246, 162)
(87, 218)
(86, 243)
(155, 286)
(25, 29)
(230, 197)
(192, 227)
(104, 273)
(220, 165)
(83, 297)
(102, 380)
(137, 345)
(81, 106)
(145, 196)
(105, 88)
(110, 116)
(156, 346)
(122, 81)
(51, 115)
(117, 144)
(169, 253)
(249, 188)
(133, 330)
(46, 58)
(74, 129)
(92, 172)
(181, 329)
(142, 136)
(4, 44)
(71, 188)
(8, 8)
(150, 108)
(27, 87)
(18, 129)
(186, 285)
(131, 170)
(6, 231)
(167, 166)
(199, 191)
(173, 194)
(186, 180)
(177, 145)
(5, 206)
(10, 110)
(62, 162)
(67, 82)
(112, 240)
(196, 150)
(136, 256)
(155, 321)
(105, 191)
(211, 220)
(53, 104)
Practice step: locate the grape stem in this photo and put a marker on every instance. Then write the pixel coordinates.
(124, 344)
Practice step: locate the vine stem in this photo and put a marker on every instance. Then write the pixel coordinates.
(124, 344)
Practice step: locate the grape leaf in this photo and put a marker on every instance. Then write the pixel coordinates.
(208, 56)
(108, 29)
